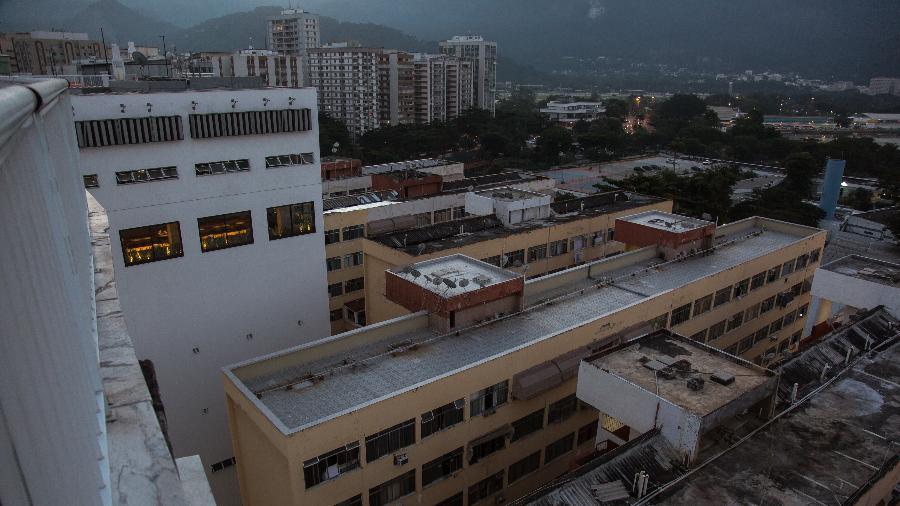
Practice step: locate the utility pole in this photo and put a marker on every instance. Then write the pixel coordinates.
(105, 56)
(165, 56)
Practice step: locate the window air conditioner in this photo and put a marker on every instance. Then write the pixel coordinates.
(400, 459)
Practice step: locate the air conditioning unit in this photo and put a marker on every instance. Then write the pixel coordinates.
(400, 459)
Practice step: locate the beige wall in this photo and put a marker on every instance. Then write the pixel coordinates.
(321, 438)
(340, 220)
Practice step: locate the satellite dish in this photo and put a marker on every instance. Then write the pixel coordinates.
(436, 280)
(139, 58)
(464, 282)
(415, 273)
(450, 283)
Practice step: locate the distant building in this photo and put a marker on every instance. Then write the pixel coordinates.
(877, 120)
(884, 86)
(280, 70)
(444, 87)
(293, 33)
(569, 113)
(347, 79)
(484, 54)
(48, 53)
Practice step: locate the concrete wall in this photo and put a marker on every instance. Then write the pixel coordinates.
(855, 292)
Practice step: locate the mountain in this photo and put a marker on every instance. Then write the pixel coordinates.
(120, 24)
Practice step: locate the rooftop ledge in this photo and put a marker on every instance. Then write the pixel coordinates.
(303, 386)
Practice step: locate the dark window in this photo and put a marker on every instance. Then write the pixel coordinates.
(717, 330)
(787, 268)
(536, 253)
(223, 167)
(515, 258)
(354, 232)
(761, 334)
(353, 501)
(742, 288)
(152, 243)
(796, 289)
(745, 344)
(527, 425)
(494, 260)
(588, 433)
(802, 260)
(291, 220)
(335, 289)
(485, 488)
(91, 181)
(776, 325)
(352, 285)
(489, 398)
(659, 322)
(390, 440)
(336, 315)
(807, 285)
(333, 264)
(454, 500)
(562, 409)
(790, 318)
(767, 305)
(226, 124)
(287, 160)
(702, 305)
(485, 448)
(731, 350)
(525, 466)
(225, 231)
(459, 212)
(681, 314)
(442, 215)
(735, 321)
(329, 466)
(700, 337)
(773, 274)
(722, 296)
(146, 175)
(751, 312)
(814, 256)
(392, 490)
(441, 467)
(558, 248)
(353, 259)
(332, 236)
(443, 417)
(758, 281)
(558, 448)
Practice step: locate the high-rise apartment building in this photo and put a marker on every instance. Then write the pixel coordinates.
(484, 56)
(884, 86)
(471, 398)
(48, 53)
(444, 87)
(214, 204)
(294, 32)
(347, 79)
(397, 99)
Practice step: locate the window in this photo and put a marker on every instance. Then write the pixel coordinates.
(681, 314)
(735, 321)
(745, 344)
(773, 274)
(796, 289)
(802, 311)
(225, 231)
(528, 424)
(335, 289)
(146, 175)
(287, 160)
(767, 305)
(333, 264)
(494, 260)
(610, 234)
(354, 232)
(722, 297)
(353, 259)
(526, 466)
(459, 212)
(485, 488)
(422, 219)
(489, 398)
(515, 258)
(332, 236)
(659, 322)
(443, 466)
(790, 318)
(558, 448)
(536, 253)
(353, 501)
(702, 305)
(757, 281)
(442, 215)
(392, 490)
(390, 440)
(223, 464)
(776, 325)
(91, 181)
(329, 466)
(223, 167)
(807, 285)
(484, 448)
(291, 220)
(336, 315)
(558, 248)
(352, 285)
(454, 500)
(443, 417)
(751, 312)
(731, 350)
(787, 268)
(700, 337)
(814, 255)
(761, 334)
(152, 243)
(742, 288)
(562, 409)
(588, 433)
(802, 260)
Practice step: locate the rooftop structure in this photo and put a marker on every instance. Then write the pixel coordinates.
(859, 282)
(678, 234)
(569, 113)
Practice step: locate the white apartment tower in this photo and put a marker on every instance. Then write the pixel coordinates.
(215, 215)
(444, 87)
(484, 54)
(274, 69)
(293, 32)
(347, 78)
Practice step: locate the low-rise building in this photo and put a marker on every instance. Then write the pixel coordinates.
(569, 113)
(275, 69)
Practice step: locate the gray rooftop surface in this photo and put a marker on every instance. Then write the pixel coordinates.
(465, 274)
(377, 374)
(868, 269)
(666, 221)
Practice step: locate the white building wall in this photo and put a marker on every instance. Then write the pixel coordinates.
(855, 292)
(229, 305)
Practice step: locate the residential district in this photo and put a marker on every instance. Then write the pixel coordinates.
(207, 301)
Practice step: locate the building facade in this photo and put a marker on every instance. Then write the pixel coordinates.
(48, 53)
(347, 79)
(213, 198)
(293, 33)
(484, 56)
(472, 400)
(444, 87)
(884, 86)
(569, 113)
(275, 69)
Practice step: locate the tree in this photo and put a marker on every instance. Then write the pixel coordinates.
(801, 170)
(330, 131)
(616, 108)
(553, 141)
(859, 199)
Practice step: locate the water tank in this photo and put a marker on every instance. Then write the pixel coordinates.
(831, 186)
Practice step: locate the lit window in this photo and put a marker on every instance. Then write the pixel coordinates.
(225, 231)
(151, 243)
(291, 220)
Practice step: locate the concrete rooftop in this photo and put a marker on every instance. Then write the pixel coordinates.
(868, 269)
(464, 274)
(666, 221)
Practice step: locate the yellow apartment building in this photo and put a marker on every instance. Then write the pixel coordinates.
(471, 398)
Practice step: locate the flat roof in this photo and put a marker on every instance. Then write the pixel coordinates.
(424, 163)
(868, 269)
(453, 275)
(637, 361)
(509, 193)
(374, 373)
(666, 221)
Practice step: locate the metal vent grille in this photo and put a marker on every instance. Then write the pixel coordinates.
(206, 126)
